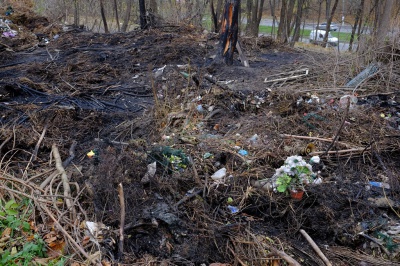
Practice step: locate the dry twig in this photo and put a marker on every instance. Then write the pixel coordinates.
(315, 247)
(122, 222)
(61, 228)
(340, 127)
(65, 181)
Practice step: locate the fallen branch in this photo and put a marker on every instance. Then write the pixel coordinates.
(35, 152)
(213, 81)
(284, 256)
(237, 257)
(274, 251)
(5, 141)
(296, 74)
(65, 181)
(339, 151)
(122, 222)
(315, 247)
(314, 138)
(71, 154)
(242, 56)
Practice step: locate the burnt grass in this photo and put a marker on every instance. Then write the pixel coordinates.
(102, 92)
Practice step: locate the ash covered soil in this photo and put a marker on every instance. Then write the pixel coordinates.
(157, 96)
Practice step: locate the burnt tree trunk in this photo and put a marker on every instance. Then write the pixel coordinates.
(142, 11)
(103, 17)
(229, 30)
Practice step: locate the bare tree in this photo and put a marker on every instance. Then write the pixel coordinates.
(272, 6)
(127, 15)
(329, 21)
(383, 24)
(357, 22)
(254, 15)
(103, 17)
(76, 13)
(285, 20)
(216, 13)
(116, 15)
(297, 21)
(142, 11)
(328, 9)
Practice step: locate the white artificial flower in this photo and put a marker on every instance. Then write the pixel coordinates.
(290, 160)
(318, 181)
(279, 171)
(288, 170)
(315, 159)
(302, 163)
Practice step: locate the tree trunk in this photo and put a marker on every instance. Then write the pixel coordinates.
(328, 23)
(76, 13)
(357, 19)
(142, 11)
(103, 17)
(229, 30)
(327, 9)
(272, 6)
(282, 34)
(260, 12)
(289, 25)
(384, 23)
(254, 15)
(299, 17)
(285, 24)
(215, 14)
(116, 15)
(127, 16)
(249, 9)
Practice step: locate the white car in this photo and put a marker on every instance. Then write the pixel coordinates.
(317, 37)
(322, 26)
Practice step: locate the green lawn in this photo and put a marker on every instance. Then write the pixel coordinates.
(342, 36)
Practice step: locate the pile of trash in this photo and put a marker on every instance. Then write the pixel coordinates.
(22, 29)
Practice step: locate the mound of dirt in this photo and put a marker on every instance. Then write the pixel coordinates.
(114, 104)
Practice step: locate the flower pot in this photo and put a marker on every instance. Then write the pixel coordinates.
(296, 194)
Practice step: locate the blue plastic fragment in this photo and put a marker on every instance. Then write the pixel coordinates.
(379, 184)
(233, 209)
(243, 152)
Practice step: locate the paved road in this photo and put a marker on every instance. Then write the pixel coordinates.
(308, 26)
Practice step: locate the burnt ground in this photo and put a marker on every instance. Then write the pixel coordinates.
(87, 91)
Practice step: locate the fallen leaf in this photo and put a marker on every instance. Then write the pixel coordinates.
(6, 232)
(56, 248)
(50, 239)
(105, 263)
(85, 240)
